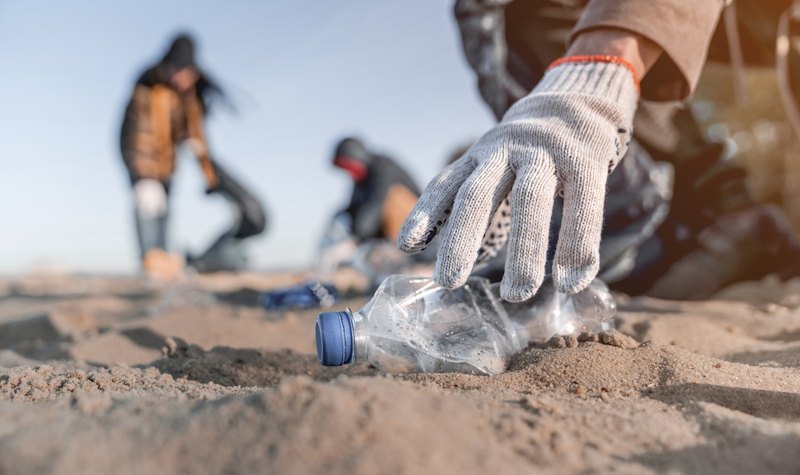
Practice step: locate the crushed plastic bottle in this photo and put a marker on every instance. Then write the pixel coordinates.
(413, 325)
(550, 312)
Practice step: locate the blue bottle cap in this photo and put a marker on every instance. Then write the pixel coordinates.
(334, 338)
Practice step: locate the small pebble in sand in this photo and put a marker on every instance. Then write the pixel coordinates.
(171, 347)
(588, 337)
(562, 341)
(557, 341)
(610, 337)
(615, 338)
(571, 341)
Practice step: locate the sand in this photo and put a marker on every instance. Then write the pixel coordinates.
(101, 375)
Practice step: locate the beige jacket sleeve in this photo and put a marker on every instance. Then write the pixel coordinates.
(682, 28)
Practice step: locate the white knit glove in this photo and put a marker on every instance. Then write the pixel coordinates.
(150, 198)
(564, 137)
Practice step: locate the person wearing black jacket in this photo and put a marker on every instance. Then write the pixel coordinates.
(167, 109)
(383, 193)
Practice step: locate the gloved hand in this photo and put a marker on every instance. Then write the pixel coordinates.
(151, 199)
(564, 137)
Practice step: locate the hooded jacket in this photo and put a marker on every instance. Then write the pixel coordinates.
(382, 197)
(158, 118)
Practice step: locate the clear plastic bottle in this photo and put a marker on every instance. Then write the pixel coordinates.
(413, 325)
(550, 312)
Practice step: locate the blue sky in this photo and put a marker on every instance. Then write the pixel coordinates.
(305, 73)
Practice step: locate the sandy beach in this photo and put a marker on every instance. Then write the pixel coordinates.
(117, 375)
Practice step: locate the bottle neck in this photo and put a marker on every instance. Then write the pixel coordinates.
(360, 337)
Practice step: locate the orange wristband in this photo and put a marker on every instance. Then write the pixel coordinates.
(599, 58)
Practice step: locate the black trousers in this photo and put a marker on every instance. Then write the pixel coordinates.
(224, 253)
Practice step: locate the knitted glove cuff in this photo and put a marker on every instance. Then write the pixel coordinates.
(606, 77)
(597, 59)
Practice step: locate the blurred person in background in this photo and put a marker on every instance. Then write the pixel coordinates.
(383, 192)
(363, 236)
(167, 109)
(568, 80)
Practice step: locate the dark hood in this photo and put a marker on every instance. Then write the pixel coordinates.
(353, 148)
(181, 54)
